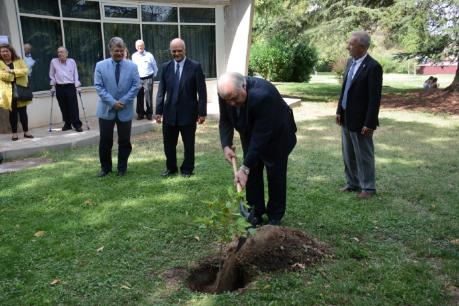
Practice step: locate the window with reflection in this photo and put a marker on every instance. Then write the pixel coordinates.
(157, 38)
(128, 32)
(39, 7)
(200, 46)
(152, 13)
(45, 37)
(83, 41)
(113, 11)
(197, 15)
(82, 22)
(80, 9)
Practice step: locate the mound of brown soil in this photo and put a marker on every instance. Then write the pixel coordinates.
(437, 101)
(272, 248)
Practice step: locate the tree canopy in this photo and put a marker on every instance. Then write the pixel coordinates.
(421, 29)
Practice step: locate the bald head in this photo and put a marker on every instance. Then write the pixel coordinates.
(178, 42)
(178, 49)
(231, 87)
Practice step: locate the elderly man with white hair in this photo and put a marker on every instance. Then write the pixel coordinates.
(357, 114)
(146, 64)
(254, 108)
(63, 74)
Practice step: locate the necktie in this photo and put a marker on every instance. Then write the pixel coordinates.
(117, 73)
(348, 85)
(176, 84)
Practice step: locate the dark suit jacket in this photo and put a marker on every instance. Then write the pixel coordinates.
(265, 123)
(192, 100)
(364, 96)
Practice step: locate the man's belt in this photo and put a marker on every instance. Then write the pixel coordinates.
(65, 85)
(147, 77)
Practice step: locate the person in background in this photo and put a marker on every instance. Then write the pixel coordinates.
(63, 73)
(28, 57)
(181, 103)
(146, 64)
(13, 70)
(427, 83)
(434, 84)
(116, 81)
(127, 55)
(357, 114)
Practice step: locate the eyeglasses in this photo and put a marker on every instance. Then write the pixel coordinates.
(176, 51)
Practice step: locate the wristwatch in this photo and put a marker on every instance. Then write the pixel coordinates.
(245, 169)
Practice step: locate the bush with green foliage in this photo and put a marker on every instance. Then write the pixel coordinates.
(281, 59)
(324, 65)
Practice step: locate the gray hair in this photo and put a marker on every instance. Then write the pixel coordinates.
(116, 42)
(235, 79)
(363, 37)
(61, 47)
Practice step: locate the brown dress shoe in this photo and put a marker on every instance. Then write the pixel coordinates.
(365, 195)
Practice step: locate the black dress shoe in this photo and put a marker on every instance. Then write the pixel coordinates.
(255, 220)
(103, 173)
(28, 136)
(139, 117)
(275, 222)
(187, 174)
(15, 138)
(149, 117)
(121, 173)
(168, 172)
(66, 128)
(79, 129)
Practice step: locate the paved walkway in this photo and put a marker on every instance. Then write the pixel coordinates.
(59, 140)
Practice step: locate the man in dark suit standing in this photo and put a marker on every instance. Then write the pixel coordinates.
(181, 102)
(357, 114)
(265, 123)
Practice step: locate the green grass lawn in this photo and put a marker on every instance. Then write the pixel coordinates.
(110, 241)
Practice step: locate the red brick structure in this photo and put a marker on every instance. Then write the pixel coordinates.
(444, 67)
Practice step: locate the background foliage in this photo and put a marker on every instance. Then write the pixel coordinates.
(404, 29)
(282, 59)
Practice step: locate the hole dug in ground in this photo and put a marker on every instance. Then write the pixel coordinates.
(272, 248)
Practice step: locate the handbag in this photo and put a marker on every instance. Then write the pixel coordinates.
(22, 93)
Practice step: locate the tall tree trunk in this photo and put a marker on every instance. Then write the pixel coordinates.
(454, 86)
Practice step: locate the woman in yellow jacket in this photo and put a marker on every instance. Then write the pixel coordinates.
(13, 70)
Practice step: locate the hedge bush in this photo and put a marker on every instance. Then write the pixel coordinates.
(279, 59)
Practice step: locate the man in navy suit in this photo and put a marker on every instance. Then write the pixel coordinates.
(181, 102)
(117, 83)
(265, 123)
(357, 114)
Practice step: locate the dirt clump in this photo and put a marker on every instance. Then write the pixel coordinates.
(272, 248)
